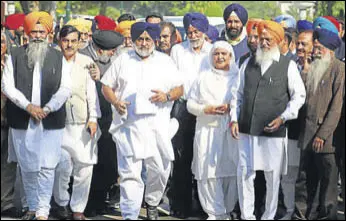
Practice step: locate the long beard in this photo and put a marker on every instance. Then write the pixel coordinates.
(317, 70)
(143, 52)
(36, 52)
(265, 56)
(197, 43)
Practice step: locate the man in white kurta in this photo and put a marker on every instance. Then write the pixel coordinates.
(79, 147)
(191, 57)
(263, 146)
(215, 152)
(37, 148)
(140, 85)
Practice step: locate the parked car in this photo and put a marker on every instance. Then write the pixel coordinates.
(218, 22)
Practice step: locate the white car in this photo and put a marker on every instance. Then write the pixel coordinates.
(218, 22)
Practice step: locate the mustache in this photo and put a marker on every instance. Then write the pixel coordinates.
(36, 40)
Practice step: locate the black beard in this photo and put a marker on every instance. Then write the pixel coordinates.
(233, 35)
(252, 48)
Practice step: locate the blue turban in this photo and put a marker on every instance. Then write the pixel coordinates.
(139, 27)
(287, 21)
(239, 10)
(324, 23)
(304, 25)
(196, 20)
(327, 38)
(212, 33)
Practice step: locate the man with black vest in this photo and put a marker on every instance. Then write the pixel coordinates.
(36, 82)
(105, 172)
(271, 91)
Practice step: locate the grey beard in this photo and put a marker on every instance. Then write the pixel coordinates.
(144, 52)
(104, 58)
(83, 45)
(262, 56)
(197, 43)
(318, 69)
(36, 52)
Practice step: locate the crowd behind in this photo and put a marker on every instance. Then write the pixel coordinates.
(98, 115)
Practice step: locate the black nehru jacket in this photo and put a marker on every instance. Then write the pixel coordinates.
(265, 97)
(23, 79)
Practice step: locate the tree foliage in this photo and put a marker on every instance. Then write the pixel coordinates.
(256, 9)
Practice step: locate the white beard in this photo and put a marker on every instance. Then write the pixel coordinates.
(36, 52)
(265, 56)
(197, 43)
(317, 70)
(144, 52)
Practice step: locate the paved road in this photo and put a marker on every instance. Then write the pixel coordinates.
(117, 216)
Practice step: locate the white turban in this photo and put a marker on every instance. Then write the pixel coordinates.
(224, 45)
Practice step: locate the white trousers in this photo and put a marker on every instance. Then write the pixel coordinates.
(218, 196)
(38, 187)
(247, 193)
(132, 185)
(82, 175)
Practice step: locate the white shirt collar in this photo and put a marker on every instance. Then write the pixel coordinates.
(243, 35)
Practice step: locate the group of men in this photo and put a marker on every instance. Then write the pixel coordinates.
(233, 123)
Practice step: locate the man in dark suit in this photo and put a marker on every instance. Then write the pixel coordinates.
(317, 178)
(105, 173)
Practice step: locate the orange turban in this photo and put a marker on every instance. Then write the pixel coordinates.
(124, 27)
(33, 18)
(252, 24)
(275, 29)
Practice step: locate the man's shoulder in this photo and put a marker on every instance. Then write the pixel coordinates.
(340, 67)
(85, 51)
(162, 57)
(181, 46)
(54, 51)
(18, 50)
(84, 58)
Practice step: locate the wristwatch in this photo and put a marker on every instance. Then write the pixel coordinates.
(168, 97)
(46, 110)
(283, 119)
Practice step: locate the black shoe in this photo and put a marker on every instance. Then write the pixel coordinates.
(152, 213)
(29, 216)
(61, 212)
(90, 212)
(11, 212)
(178, 214)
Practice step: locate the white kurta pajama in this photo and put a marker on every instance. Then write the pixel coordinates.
(142, 134)
(215, 153)
(79, 149)
(190, 62)
(265, 153)
(37, 150)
